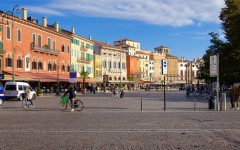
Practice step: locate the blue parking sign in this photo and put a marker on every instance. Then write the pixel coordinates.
(164, 67)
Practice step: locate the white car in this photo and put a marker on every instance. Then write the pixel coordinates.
(15, 90)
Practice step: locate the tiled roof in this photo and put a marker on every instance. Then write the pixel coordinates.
(125, 39)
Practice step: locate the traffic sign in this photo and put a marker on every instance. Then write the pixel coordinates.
(164, 67)
(73, 77)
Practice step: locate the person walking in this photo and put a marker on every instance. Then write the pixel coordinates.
(236, 92)
(231, 96)
(71, 91)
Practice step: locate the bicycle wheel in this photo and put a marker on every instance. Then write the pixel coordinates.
(1, 102)
(78, 105)
(62, 106)
(24, 103)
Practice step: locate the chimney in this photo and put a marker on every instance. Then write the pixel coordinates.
(90, 37)
(73, 30)
(44, 21)
(24, 13)
(56, 26)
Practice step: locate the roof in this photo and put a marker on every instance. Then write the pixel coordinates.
(125, 39)
(105, 44)
(162, 47)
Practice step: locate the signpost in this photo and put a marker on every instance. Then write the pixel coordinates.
(164, 72)
(214, 72)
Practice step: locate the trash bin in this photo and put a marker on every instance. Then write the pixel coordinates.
(212, 102)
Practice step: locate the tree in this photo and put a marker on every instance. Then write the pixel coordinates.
(216, 48)
(230, 16)
(84, 75)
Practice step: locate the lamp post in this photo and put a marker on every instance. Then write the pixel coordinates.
(9, 15)
(120, 85)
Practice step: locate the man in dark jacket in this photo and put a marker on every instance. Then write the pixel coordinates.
(71, 91)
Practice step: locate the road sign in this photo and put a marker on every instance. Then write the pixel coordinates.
(164, 67)
(73, 77)
(213, 66)
(1, 76)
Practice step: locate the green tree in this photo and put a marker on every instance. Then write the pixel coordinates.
(84, 75)
(215, 48)
(230, 16)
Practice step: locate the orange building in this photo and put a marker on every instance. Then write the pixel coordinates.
(33, 52)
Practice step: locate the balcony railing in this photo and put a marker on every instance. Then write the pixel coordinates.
(44, 50)
(83, 60)
(83, 48)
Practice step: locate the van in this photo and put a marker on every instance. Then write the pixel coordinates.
(15, 90)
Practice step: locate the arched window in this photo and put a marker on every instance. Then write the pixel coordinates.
(19, 62)
(54, 66)
(39, 41)
(33, 38)
(49, 66)
(115, 78)
(124, 78)
(8, 61)
(119, 78)
(63, 67)
(63, 48)
(19, 35)
(8, 32)
(110, 78)
(34, 64)
(49, 43)
(40, 65)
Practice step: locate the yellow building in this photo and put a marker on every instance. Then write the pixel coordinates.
(81, 54)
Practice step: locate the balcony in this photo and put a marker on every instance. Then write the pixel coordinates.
(83, 48)
(83, 60)
(45, 49)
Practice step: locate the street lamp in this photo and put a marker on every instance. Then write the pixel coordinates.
(9, 15)
(120, 85)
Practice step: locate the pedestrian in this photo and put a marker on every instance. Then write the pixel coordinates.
(231, 96)
(235, 91)
(28, 95)
(72, 94)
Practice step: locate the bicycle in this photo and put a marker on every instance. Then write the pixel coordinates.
(115, 96)
(26, 103)
(64, 102)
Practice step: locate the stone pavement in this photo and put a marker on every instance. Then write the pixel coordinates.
(106, 124)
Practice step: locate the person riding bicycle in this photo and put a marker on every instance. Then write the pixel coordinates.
(28, 95)
(115, 90)
(72, 95)
(121, 92)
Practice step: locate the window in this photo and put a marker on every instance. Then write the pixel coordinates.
(104, 64)
(109, 64)
(34, 64)
(8, 32)
(33, 38)
(119, 65)
(19, 35)
(54, 66)
(53, 45)
(49, 66)
(114, 65)
(8, 61)
(39, 41)
(40, 64)
(63, 67)
(123, 66)
(49, 43)
(19, 62)
(68, 68)
(63, 48)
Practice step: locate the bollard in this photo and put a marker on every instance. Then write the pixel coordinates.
(195, 101)
(223, 102)
(141, 104)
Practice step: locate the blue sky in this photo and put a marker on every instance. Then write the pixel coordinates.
(181, 25)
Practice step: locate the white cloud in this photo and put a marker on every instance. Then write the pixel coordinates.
(44, 10)
(159, 12)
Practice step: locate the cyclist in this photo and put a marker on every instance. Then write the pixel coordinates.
(115, 91)
(72, 94)
(28, 96)
(121, 92)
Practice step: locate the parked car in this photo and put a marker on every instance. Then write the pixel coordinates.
(2, 97)
(15, 90)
